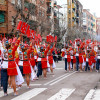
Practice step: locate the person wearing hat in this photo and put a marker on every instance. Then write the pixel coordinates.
(24, 63)
(9, 66)
(50, 58)
(42, 59)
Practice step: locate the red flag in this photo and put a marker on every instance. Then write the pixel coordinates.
(32, 34)
(56, 38)
(71, 42)
(28, 33)
(47, 38)
(23, 27)
(19, 25)
(4, 35)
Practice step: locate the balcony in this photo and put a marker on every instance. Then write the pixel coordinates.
(3, 28)
(30, 6)
(73, 19)
(49, 11)
(77, 20)
(48, 1)
(73, 5)
(55, 15)
(55, 4)
(73, 14)
(3, 6)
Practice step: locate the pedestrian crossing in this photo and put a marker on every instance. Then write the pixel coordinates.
(62, 94)
(93, 95)
(30, 94)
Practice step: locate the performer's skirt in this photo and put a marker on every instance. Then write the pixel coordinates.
(50, 59)
(12, 70)
(26, 67)
(44, 63)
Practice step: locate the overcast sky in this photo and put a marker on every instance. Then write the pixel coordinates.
(93, 5)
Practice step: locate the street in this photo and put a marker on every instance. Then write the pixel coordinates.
(61, 86)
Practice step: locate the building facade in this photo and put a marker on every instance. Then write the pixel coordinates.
(74, 12)
(3, 16)
(89, 22)
(39, 14)
(98, 26)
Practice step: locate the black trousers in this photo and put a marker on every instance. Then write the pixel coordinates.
(39, 69)
(4, 79)
(21, 69)
(65, 63)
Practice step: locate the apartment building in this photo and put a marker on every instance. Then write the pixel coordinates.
(41, 15)
(98, 26)
(89, 22)
(74, 12)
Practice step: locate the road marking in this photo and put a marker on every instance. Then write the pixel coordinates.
(55, 79)
(8, 90)
(62, 78)
(59, 68)
(30, 94)
(62, 94)
(32, 84)
(93, 95)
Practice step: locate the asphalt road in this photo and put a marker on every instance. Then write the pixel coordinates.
(61, 86)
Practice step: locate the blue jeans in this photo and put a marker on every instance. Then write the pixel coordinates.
(65, 63)
(4, 79)
(77, 63)
(97, 64)
(87, 66)
(39, 69)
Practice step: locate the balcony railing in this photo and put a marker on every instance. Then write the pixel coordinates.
(49, 0)
(30, 7)
(49, 11)
(2, 2)
(55, 4)
(55, 15)
(3, 25)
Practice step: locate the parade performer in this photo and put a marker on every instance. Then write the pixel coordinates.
(73, 58)
(24, 63)
(42, 58)
(9, 66)
(50, 58)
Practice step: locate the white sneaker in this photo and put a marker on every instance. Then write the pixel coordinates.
(5, 94)
(15, 94)
(1, 87)
(28, 87)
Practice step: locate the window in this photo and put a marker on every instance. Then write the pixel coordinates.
(2, 17)
(69, 11)
(69, 2)
(12, 21)
(84, 15)
(69, 21)
(40, 13)
(2, 1)
(13, 1)
(19, 3)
